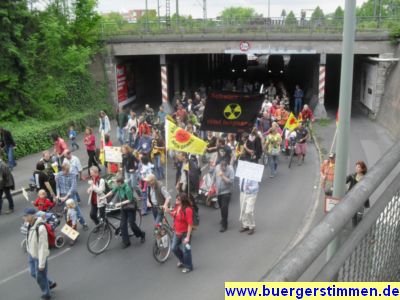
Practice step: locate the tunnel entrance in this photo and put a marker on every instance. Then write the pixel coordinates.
(192, 72)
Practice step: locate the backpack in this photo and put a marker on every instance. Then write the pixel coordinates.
(51, 236)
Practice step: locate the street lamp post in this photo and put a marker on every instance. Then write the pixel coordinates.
(345, 99)
(269, 9)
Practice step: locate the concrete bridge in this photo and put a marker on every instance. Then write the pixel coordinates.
(187, 60)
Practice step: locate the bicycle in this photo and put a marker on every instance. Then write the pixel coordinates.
(100, 236)
(163, 233)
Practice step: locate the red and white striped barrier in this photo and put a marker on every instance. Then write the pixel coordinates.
(164, 84)
(321, 94)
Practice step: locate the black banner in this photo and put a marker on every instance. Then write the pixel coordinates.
(231, 112)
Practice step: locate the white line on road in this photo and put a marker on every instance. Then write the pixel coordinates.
(27, 269)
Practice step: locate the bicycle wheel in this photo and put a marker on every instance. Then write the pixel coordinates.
(138, 218)
(99, 239)
(162, 246)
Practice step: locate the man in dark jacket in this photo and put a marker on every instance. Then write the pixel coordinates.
(8, 144)
(6, 185)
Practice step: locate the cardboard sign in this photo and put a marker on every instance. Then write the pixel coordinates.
(249, 170)
(330, 203)
(70, 232)
(113, 154)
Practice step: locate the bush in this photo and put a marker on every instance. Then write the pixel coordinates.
(32, 136)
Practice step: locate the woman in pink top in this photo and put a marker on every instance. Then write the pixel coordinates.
(90, 142)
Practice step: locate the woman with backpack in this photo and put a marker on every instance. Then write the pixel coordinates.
(183, 224)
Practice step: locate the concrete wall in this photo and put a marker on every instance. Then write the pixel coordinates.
(389, 113)
(315, 46)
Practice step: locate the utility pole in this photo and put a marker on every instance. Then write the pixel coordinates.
(167, 13)
(345, 99)
(269, 9)
(205, 10)
(147, 14)
(177, 13)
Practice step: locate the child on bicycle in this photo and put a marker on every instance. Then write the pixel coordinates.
(42, 203)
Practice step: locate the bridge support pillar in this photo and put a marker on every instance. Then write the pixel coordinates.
(320, 111)
(186, 73)
(164, 85)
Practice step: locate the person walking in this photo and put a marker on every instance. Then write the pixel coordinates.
(158, 197)
(328, 174)
(248, 195)
(183, 225)
(302, 136)
(7, 142)
(97, 201)
(75, 168)
(90, 142)
(42, 181)
(298, 99)
(59, 146)
(104, 121)
(6, 185)
(273, 148)
(72, 138)
(130, 167)
(352, 180)
(37, 247)
(224, 177)
(158, 154)
(122, 121)
(128, 211)
(66, 188)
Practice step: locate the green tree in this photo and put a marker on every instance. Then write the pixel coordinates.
(338, 17)
(291, 20)
(317, 17)
(237, 14)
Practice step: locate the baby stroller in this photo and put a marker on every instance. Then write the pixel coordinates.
(51, 222)
(207, 191)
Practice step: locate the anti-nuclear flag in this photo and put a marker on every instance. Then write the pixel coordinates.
(231, 112)
(292, 122)
(181, 140)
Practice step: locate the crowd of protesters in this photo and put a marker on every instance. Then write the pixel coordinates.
(139, 178)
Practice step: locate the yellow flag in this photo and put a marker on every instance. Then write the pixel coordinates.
(181, 140)
(102, 157)
(291, 122)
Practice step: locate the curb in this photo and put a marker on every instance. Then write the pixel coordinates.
(310, 216)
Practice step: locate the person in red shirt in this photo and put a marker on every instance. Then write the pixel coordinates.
(181, 113)
(59, 147)
(90, 142)
(183, 224)
(144, 128)
(42, 203)
(306, 115)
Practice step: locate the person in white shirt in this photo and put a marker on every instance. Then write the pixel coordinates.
(37, 247)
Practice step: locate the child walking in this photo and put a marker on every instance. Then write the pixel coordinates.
(72, 139)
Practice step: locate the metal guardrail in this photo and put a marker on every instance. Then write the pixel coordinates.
(185, 26)
(371, 252)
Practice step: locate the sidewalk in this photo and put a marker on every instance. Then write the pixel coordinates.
(27, 165)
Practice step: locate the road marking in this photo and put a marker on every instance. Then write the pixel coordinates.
(27, 269)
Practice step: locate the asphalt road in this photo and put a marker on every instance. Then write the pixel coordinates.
(132, 273)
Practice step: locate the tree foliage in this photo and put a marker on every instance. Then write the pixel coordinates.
(291, 20)
(44, 57)
(318, 16)
(238, 13)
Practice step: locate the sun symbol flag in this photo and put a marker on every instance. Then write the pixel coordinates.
(181, 140)
(292, 123)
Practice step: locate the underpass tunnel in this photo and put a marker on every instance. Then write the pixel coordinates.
(190, 71)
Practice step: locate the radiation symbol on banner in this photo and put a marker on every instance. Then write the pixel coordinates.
(232, 111)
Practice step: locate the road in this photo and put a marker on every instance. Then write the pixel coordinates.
(132, 273)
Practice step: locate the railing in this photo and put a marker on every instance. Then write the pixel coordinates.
(280, 25)
(371, 251)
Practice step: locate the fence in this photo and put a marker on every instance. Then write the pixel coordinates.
(184, 26)
(371, 251)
